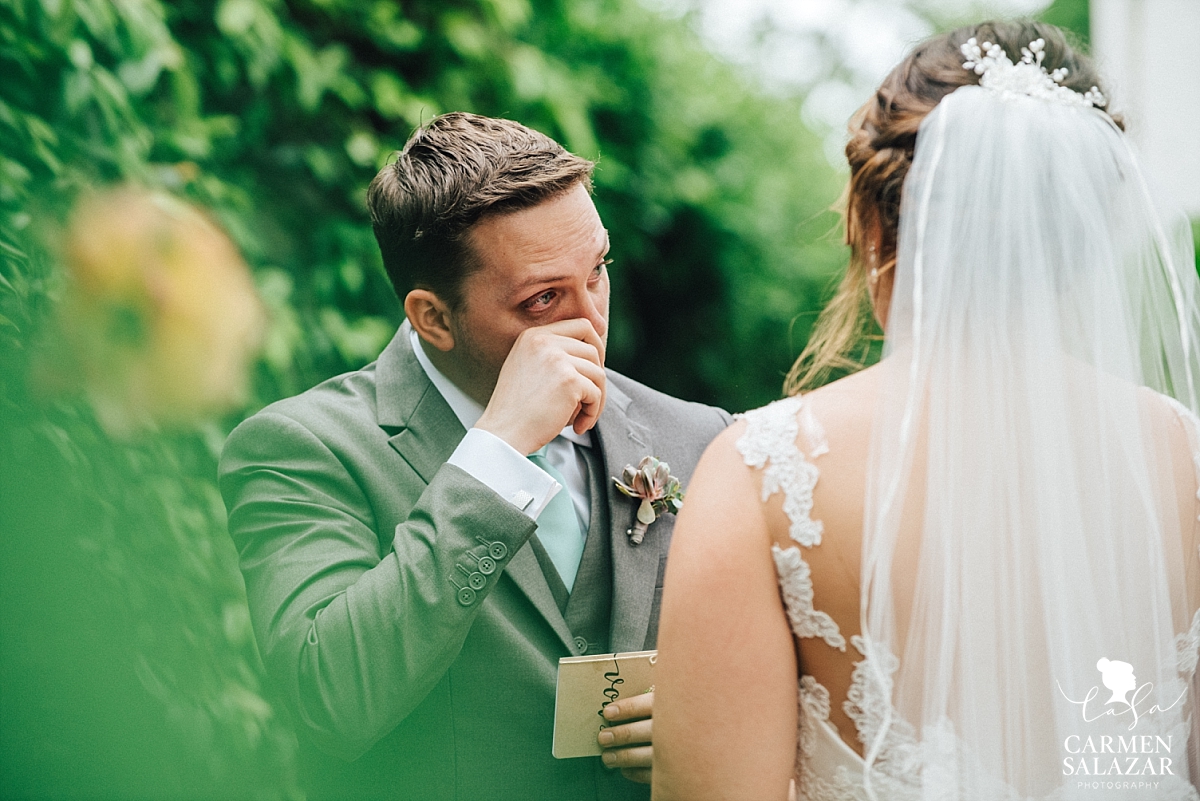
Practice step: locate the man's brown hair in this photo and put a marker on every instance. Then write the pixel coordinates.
(451, 173)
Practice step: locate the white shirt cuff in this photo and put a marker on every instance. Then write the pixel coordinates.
(500, 467)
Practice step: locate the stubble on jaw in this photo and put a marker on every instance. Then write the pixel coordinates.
(478, 374)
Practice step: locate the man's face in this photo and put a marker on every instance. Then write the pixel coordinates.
(537, 266)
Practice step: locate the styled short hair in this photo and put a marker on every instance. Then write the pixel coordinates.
(452, 172)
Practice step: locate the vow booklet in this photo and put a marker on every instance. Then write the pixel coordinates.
(587, 684)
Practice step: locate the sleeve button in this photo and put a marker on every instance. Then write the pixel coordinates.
(476, 581)
(487, 565)
(496, 549)
(466, 596)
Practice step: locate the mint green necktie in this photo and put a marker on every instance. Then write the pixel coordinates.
(558, 525)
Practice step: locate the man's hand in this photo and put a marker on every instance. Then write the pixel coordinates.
(626, 741)
(554, 375)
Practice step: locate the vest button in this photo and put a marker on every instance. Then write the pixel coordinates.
(581, 644)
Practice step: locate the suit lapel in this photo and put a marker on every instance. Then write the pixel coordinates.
(623, 441)
(527, 574)
(426, 432)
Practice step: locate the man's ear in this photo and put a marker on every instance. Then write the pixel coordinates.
(430, 318)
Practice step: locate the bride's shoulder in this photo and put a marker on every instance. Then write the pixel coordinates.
(806, 421)
(846, 405)
(1172, 419)
(853, 394)
(1166, 406)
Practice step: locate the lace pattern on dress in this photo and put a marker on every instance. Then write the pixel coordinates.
(795, 582)
(898, 772)
(814, 708)
(1187, 648)
(837, 785)
(896, 768)
(769, 444)
(868, 703)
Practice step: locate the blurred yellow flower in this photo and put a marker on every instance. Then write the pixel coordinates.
(160, 314)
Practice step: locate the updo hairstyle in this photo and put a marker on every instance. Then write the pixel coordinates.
(883, 134)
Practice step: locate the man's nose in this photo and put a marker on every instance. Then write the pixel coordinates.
(595, 309)
(591, 308)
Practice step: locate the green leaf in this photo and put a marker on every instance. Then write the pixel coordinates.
(236, 17)
(465, 35)
(390, 94)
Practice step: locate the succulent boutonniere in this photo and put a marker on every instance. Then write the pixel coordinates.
(659, 491)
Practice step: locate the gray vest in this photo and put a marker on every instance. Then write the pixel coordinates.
(587, 609)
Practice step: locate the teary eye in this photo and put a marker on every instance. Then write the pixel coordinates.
(541, 301)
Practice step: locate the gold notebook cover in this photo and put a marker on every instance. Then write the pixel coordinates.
(587, 684)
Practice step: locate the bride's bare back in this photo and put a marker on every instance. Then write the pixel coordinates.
(725, 634)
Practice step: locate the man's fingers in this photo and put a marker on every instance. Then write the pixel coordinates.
(589, 370)
(624, 744)
(637, 757)
(553, 376)
(574, 337)
(639, 775)
(636, 733)
(580, 329)
(580, 350)
(587, 417)
(590, 388)
(631, 708)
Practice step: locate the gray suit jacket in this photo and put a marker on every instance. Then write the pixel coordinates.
(350, 525)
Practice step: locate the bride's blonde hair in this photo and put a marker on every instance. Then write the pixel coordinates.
(883, 134)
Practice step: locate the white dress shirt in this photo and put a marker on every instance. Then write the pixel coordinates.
(502, 468)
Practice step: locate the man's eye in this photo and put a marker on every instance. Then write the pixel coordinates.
(540, 301)
(600, 267)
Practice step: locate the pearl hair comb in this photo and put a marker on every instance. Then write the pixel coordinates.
(1027, 77)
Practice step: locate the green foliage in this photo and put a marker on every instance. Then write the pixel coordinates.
(275, 115)
(1073, 15)
(1196, 241)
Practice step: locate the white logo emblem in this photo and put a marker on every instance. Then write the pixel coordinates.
(1118, 677)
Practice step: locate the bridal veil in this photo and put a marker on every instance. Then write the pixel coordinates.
(1027, 560)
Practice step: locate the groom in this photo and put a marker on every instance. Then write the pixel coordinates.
(424, 538)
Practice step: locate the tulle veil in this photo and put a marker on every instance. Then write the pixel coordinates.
(1026, 558)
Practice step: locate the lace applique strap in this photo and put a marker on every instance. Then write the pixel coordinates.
(1187, 648)
(868, 703)
(769, 444)
(795, 582)
(813, 710)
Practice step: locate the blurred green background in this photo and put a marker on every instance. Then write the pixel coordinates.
(127, 664)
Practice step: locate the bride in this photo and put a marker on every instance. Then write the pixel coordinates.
(971, 570)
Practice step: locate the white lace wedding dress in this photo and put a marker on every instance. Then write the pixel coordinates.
(827, 768)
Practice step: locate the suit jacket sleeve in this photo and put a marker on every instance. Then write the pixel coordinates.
(355, 639)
